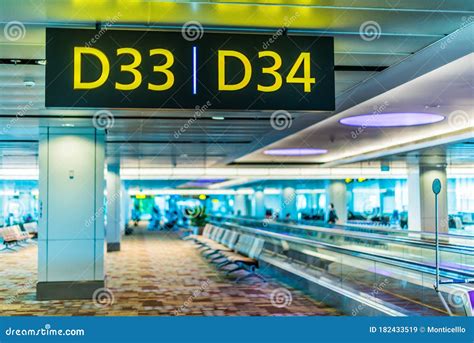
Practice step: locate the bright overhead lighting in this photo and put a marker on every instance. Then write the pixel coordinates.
(67, 125)
(10, 193)
(295, 152)
(218, 118)
(19, 174)
(392, 119)
(201, 193)
(238, 175)
(271, 191)
(310, 191)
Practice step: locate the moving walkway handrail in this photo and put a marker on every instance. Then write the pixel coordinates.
(381, 228)
(348, 224)
(416, 266)
(403, 232)
(455, 248)
(367, 227)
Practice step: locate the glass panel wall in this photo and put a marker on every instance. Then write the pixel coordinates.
(383, 202)
(18, 202)
(461, 205)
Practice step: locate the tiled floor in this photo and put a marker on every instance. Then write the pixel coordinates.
(154, 274)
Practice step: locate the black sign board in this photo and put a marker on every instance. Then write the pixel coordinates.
(152, 69)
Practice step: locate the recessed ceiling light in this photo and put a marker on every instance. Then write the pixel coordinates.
(67, 125)
(29, 83)
(218, 118)
(295, 152)
(392, 119)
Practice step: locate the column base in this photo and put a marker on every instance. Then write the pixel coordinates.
(113, 247)
(67, 290)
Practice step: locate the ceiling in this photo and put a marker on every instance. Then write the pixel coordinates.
(448, 91)
(453, 154)
(146, 138)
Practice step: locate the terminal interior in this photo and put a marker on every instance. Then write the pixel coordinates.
(211, 212)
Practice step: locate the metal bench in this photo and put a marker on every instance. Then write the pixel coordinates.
(245, 256)
(226, 243)
(31, 228)
(215, 236)
(12, 236)
(205, 233)
(227, 247)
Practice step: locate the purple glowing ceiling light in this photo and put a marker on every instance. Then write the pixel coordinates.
(203, 182)
(295, 152)
(392, 119)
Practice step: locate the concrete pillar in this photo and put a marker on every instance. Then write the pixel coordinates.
(414, 198)
(248, 205)
(309, 203)
(336, 193)
(226, 203)
(173, 206)
(259, 204)
(3, 204)
(113, 230)
(124, 204)
(288, 203)
(315, 202)
(240, 205)
(71, 223)
(318, 200)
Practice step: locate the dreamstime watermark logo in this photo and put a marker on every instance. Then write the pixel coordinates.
(377, 109)
(103, 119)
(101, 209)
(197, 292)
(287, 22)
(376, 289)
(199, 111)
(22, 110)
(193, 212)
(457, 298)
(103, 297)
(17, 208)
(465, 21)
(281, 120)
(281, 297)
(267, 221)
(460, 120)
(103, 29)
(276, 213)
(26, 287)
(370, 30)
(14, 30)
(47, 330)
(368, 207)
(192, 30)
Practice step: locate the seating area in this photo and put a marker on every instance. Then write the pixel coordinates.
(229, 249)
(17, 235)
(155, 273)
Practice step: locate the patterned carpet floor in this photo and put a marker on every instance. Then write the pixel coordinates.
(154, 274)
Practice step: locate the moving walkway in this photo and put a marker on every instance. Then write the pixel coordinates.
(348, 268)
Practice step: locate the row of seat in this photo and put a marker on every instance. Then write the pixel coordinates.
(225, 247)
(16, 234)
